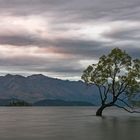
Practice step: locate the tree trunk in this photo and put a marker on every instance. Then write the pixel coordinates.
(100, 110)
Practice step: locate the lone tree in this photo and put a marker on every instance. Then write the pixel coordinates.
(117, 76)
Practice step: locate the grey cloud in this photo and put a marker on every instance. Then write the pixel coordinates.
(24, 40)
(77, 47)
(82, 48)
(124, 34)
(32, 7)
(18, 40)
(87, 49)
(60, 14)
(35, 64)
(74, 10)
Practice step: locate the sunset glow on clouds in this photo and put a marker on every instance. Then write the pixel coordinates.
(59, 38)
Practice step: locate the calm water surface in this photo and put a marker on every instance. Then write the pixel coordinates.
(67, 123)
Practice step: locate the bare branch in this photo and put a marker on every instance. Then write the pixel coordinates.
(106, 93)
(124, 88)
(125, 103)
(100, 93)
(121, 86)
(124, 98)
(104, 90)
(126, 109)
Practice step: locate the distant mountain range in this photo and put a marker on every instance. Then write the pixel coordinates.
(39, 88)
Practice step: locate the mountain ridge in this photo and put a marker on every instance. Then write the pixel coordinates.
(40, 87)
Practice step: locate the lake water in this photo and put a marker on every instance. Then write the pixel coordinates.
(67, 123)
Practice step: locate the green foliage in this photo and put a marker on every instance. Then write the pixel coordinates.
(19, 103)
(117, 72)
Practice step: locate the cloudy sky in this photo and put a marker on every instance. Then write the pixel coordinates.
(59, 38)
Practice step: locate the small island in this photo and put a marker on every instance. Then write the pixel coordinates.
(19, 103)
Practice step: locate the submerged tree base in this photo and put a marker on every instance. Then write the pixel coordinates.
(99, 111)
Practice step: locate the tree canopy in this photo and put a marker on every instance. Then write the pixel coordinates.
(117, 77)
